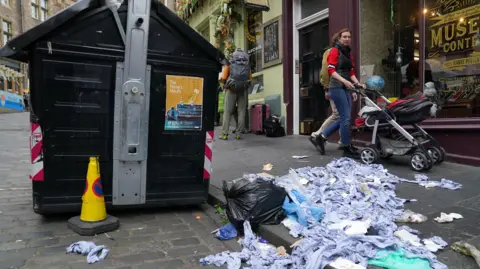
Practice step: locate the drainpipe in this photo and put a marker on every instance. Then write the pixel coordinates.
(287, 49)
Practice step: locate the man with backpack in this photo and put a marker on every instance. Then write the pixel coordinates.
(324, 80)
(236, 78)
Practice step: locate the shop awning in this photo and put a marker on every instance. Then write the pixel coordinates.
(257, 4)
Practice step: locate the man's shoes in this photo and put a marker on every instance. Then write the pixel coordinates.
(319, 143)
(350, 151)
(238, 137)
(223, 137)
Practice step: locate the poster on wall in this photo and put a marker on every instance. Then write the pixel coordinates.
(184, 103)
(272, 36)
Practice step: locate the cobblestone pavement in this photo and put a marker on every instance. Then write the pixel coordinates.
(158, 239)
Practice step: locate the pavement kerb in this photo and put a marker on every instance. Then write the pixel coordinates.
(276, 235)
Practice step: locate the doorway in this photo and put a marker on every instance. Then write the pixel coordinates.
(314, 40)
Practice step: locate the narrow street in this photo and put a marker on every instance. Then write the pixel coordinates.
(149, 239)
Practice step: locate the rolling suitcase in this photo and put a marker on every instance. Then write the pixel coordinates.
(258, 114)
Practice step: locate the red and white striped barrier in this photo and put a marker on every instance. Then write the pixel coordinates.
(36, 150)
(207, 167)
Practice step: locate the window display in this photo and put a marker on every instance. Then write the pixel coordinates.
(394, 29)
(451, 31)
(253, 30)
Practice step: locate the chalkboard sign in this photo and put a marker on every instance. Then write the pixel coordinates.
(272, 43)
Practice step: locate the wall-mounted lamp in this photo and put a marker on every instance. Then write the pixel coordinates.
(399, 56)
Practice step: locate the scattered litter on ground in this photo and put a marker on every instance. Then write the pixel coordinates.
(357, 209)
(408, 237)
(468, 250)
(422, 180)
(254, 253)
(408, 229)
(411, 217)
(301, 210)
(109, 237)
(435, 243)
(399, 259)
(282, 251)
(345, 264)
(300, 157)
(227, 232)
(445, 218)
(267, 167)
(94, 253)
(258, 201)
(265, 175)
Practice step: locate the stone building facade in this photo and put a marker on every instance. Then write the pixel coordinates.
(17, 16)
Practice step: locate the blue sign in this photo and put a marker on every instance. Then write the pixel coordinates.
(11, 101)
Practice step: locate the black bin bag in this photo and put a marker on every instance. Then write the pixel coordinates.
(259, 201)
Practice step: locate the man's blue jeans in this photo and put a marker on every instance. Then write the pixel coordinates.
(343, 100)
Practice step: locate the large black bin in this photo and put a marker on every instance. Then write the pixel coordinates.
(75, 62)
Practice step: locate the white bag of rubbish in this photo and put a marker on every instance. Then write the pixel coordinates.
(411, 217)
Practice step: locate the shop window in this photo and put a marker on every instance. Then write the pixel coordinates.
(390, 44)
(253, 31)
(452, 59)
(7, 31)
(310, 7)
(257, 85)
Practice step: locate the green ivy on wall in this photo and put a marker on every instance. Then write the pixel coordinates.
(224, 32)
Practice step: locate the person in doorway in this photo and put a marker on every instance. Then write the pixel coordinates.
(236, 78)
(341, 69)
(324, 80)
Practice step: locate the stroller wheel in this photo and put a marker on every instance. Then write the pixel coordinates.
(369, 155)
(386, 156)
(437, 154)
(420, 162)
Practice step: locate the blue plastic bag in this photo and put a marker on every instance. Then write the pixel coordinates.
(227, 232)
(295, 212)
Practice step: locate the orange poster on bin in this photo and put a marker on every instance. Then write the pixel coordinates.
(184, 103)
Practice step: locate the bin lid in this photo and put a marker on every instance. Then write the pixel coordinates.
(17, 47)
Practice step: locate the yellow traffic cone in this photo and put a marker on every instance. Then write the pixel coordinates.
(93, 202)
(93, 218)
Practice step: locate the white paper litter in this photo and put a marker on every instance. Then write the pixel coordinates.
(342, 263)
(444, 218)
(352, 227)
(267, 167)
(411, 217)
(408, 237)
(300, 157)
(432, 246)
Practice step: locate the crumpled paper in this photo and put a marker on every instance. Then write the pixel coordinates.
(444, 218)
(347, 191)
(255, 254)
(94, 253)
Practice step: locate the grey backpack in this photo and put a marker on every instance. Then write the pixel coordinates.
(239, 78)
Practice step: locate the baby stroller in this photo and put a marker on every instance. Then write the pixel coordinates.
(389, 138)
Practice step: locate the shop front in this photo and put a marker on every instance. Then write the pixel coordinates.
(412, 43)
(407, 42)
